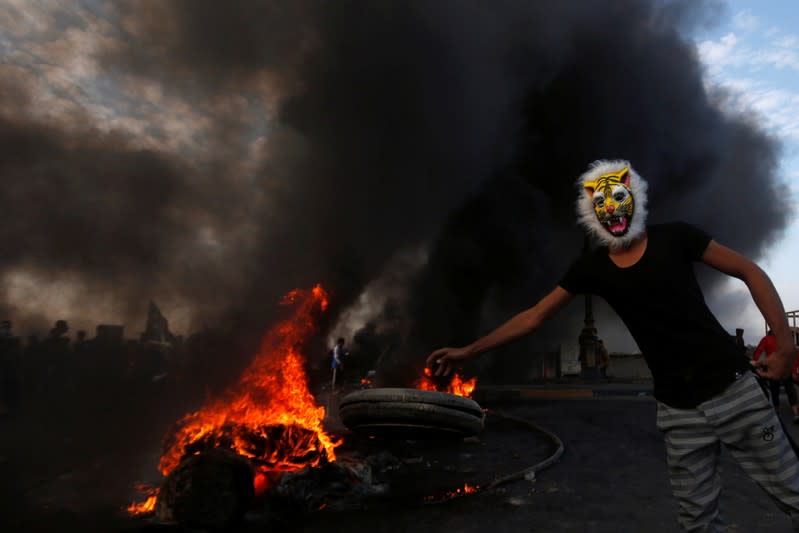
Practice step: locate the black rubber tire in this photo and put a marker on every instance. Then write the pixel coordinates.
(394, 410)
(396, 431)
(393, 395)
(408, 412)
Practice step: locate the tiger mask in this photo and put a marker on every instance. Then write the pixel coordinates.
(612, 203)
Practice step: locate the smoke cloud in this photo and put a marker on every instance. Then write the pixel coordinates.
(268, 145)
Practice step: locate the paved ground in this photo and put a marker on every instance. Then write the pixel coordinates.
(611, 477)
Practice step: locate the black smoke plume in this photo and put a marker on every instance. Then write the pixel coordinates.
(384, 125)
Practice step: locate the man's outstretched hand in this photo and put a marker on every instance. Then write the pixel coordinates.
(776, 366)
(444, 360)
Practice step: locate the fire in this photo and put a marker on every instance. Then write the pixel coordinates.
(272, 392)
(457, 386)
(366, 381)
(145, 507)
(148, 505)
(269, 416)
(460, 491)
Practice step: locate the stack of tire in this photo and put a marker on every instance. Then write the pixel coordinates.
(411, 413)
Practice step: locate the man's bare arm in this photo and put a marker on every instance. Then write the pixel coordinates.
(776, 366)
(444, 359)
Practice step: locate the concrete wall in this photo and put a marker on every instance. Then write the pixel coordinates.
(542, 365)
(625, 366)
(564, 363)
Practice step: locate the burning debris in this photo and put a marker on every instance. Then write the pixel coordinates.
(212, 489)
(339, 486)
(150, 495)
(270, 401)
(262, 447)
(457, 385)
(460, 491)
(271, 448)
(269, 420)
(346, 486)
(264, 437)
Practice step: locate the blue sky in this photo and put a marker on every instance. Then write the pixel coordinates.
(753, 52)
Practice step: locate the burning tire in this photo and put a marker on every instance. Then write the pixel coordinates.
(411, 412)
(211, 490)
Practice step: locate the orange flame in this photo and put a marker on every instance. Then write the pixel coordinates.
(145, 507)
(269, 416)
(457, 386)
(460, 491)
(148, 505)
(272, 391)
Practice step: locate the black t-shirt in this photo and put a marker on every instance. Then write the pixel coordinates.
(691, 356)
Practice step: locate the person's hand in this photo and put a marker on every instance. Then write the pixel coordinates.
(444, 360)
(776, 366)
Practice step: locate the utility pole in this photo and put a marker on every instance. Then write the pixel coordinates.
(588, 337)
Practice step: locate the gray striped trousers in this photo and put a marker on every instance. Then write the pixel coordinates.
(744, 421)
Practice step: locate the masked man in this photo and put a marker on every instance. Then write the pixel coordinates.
(705, 392)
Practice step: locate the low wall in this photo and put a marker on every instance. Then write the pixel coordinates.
(565, 364)
(628, 366)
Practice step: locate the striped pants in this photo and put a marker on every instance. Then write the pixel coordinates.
(744, 421)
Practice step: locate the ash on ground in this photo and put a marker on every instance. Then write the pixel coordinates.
(375, 473)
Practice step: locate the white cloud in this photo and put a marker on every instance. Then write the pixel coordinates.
(746, 21)
(787, 41)
(754, 65)
(772, 32)
(777, 108)
(750, 67)
(732, 50)
(717, 54)
(779, 58)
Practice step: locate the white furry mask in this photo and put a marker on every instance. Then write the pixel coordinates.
(612, 203)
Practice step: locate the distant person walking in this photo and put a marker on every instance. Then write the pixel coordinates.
(337, 354)
(739, 338)
(10, 368)
(55, 358)
(604, 359)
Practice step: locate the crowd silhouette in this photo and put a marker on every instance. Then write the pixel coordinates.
(108, 367)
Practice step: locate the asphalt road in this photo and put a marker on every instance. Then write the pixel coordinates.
(611, 478)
